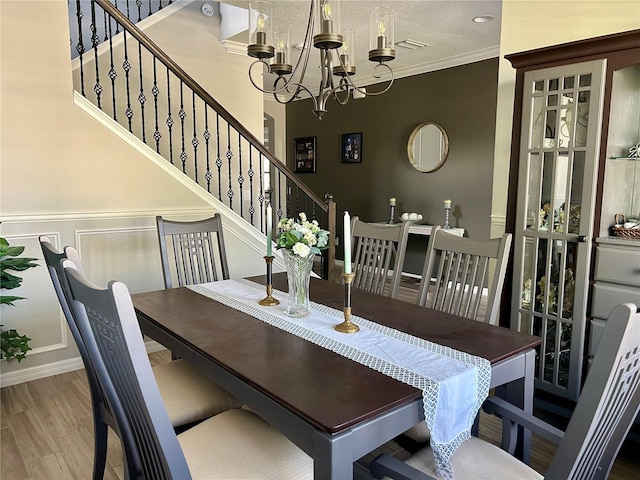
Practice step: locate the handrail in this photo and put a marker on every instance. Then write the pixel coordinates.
(208, 99)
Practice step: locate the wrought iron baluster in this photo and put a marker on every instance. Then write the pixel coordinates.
(240, 177)
(261, 195)
(95, 40)
(207, 137)
(218, 158)
(279, 197)
(80, 45)
(139, 5)
(115, 4)
(181, 115)
(169, 118)
(156, 91)
(194, 141)
(229, 157)
(107, 32)
(250, 173)
(141, 97)
(126, 66)
(112, 73)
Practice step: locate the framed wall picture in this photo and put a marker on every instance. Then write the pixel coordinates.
(305, 155)
(352, 148)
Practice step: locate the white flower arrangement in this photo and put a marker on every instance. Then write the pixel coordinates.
(301, 236)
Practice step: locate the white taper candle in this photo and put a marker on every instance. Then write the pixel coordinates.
(347, 243)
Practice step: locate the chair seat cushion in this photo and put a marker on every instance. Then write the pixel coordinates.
(477, 460)
(237, 444)
(188, 395)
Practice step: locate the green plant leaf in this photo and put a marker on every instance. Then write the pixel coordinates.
(9, 299)
(18, 264)
(9, 281)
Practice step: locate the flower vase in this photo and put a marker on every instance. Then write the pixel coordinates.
(298, 274)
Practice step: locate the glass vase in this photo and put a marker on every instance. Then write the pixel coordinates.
(298, 274)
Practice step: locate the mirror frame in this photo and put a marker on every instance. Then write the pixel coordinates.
(412, 137)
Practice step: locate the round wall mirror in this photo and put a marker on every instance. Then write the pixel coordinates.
(428, 147)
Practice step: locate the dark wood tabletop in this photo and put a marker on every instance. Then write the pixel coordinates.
(327, 390)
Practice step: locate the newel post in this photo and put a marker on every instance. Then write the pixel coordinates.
(331, 220)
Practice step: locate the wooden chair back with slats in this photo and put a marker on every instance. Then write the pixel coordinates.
(192, 252)
(456, 271)
(378, 249)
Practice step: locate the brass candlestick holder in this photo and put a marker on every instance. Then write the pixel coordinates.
(269, 301)
(347, 326)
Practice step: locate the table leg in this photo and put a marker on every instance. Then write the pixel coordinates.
(520, 393)
(332, 457)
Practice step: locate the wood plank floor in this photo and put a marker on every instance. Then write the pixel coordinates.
(46, 432)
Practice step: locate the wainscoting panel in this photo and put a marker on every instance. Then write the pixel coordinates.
(113, 246)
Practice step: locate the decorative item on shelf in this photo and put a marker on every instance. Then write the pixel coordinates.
(447, 211)
(411, 217)
(634, 152)
(552, 295)
(392, 206)
(300, 241)
(337, 53)
(626, 228)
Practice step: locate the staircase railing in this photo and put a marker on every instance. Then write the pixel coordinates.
(131, 79)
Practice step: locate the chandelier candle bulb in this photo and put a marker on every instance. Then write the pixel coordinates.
(347, 243)
(392, 202)
(327, 23)
(447, 204)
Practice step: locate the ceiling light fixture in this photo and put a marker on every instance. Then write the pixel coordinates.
(411, 44)
(265, 33)
(483, 18)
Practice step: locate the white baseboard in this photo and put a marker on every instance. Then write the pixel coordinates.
(55, 368)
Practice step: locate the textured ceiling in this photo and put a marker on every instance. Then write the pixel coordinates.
(446, 26)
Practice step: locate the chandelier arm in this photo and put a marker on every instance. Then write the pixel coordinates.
(304, 57)
(342, 87)
(375, 75)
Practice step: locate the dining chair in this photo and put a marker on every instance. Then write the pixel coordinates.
(374, 246)
(606, 409)
(233, 444)
(454, 276)
(188, 396)
(196, 248)
(456, 271)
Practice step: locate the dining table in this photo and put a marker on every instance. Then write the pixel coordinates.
(333, 408)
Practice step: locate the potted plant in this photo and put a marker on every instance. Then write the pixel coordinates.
(12, 343)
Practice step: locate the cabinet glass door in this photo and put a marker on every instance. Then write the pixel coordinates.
(554, 224)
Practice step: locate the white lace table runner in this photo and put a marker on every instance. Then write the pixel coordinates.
(454, 384)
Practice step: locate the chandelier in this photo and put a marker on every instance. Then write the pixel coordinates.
(268, 40)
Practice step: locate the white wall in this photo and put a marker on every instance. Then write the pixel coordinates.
(530, 24)
(62, 173)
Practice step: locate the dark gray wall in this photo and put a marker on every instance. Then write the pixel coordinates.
(461, 99)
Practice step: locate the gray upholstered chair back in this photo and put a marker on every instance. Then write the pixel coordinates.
(108, 323)
(192, 252)
(378, 249)
(456, 271)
